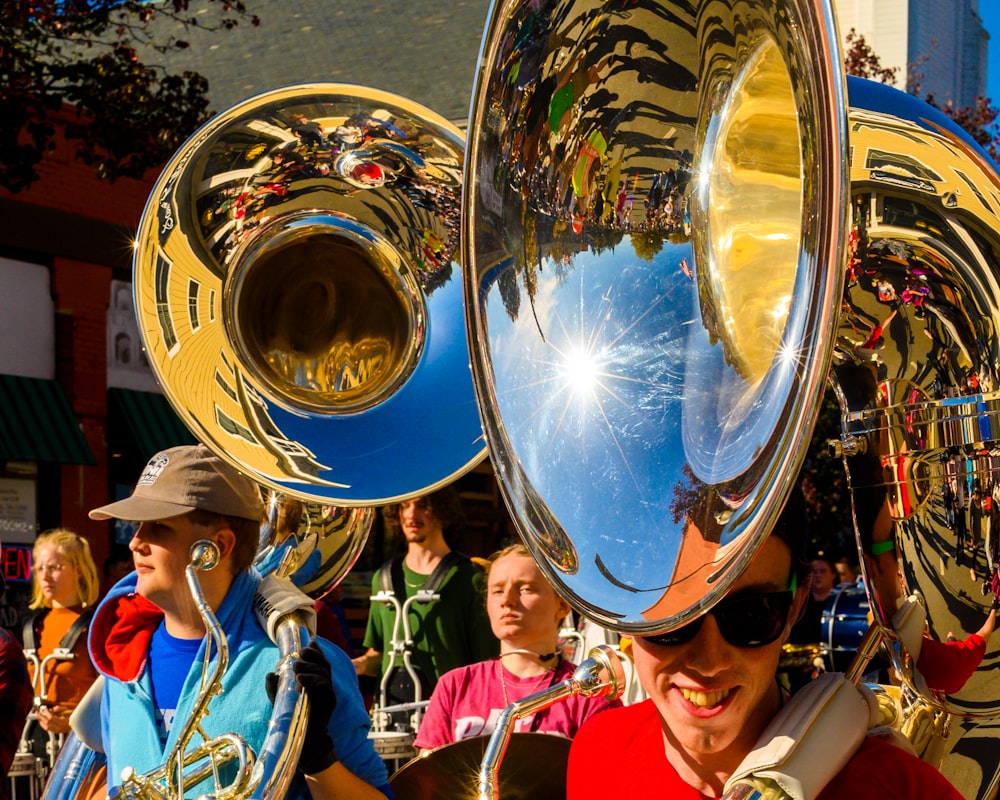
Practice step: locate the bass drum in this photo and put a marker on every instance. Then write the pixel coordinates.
(844, 622)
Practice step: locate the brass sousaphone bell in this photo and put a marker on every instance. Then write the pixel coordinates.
(651, 265)
(300, 302)
(299, 296)
(678, 230)
(299, 299)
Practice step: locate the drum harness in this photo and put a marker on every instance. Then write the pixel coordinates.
(63, 652)
(391, 583)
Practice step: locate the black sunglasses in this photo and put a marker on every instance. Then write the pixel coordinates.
(746, 620)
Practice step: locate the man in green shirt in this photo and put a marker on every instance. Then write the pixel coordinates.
(448, 633)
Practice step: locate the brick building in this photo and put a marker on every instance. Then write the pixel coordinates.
(64, 443)
(80, 411)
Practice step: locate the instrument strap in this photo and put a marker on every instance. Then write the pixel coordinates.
(28, 635)
(80, 624)
(33, 624)
(394, 568)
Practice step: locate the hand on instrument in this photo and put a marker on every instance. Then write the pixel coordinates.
(312, 673)
(53, 720)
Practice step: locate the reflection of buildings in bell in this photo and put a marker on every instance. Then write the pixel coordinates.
(128, 367)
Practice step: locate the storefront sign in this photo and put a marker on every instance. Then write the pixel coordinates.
(16, 563)
(18, 515)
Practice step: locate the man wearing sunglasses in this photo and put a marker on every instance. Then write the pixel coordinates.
(713, 690)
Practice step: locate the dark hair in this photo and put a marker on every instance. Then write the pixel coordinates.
(792, 528)
(290, 513)
(822, 556)
(247, 533)
(444, 504)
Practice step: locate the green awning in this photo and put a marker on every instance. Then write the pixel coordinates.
(153, 423)
(38, 424)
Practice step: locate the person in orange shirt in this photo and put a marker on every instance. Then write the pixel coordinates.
(65, 588)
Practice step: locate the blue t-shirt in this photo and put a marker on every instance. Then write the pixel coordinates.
(170, 661)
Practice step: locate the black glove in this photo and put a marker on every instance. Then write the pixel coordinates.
(312, 673)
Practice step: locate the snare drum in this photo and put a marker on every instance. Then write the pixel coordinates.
(27, 777)
(395, 747)
(844, 623)
(24, 764)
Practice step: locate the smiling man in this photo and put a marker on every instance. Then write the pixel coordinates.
(713, 689)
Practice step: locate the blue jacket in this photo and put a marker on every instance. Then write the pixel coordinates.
(119, 639)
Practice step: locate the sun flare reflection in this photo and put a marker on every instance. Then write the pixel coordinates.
(580, 371)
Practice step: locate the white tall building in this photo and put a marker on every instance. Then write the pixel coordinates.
(942, 40)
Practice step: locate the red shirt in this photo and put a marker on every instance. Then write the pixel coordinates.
(946, 666)
(622, 748)
(15, 702)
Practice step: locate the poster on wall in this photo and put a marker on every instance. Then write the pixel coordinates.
(18, 511)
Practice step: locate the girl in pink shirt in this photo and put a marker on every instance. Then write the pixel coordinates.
(525, 613)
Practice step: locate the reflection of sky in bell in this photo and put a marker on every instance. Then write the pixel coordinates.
(593, 399)
(593, 411)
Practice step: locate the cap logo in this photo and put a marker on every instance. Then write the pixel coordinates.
(153, 469)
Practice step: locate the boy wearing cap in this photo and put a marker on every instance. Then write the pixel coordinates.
(148, 640)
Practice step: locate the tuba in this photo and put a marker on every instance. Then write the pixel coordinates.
(299, 251)
(299, 297)
(681, 225)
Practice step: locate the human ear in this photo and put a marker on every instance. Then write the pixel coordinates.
(225, 540)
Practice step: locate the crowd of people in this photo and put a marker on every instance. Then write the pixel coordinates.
(479, 635)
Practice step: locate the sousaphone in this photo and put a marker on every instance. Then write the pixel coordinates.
(678, 230)
(299, 295)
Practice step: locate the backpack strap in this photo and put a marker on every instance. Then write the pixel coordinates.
(385, 582)
(32, 623)
(450, 559)
(390, 574)
(80, 624)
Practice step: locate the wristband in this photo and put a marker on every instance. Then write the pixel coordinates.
(878, 548)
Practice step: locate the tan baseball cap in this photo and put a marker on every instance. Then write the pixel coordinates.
(183, 479)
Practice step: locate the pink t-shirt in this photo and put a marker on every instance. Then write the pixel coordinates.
(468, 701)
